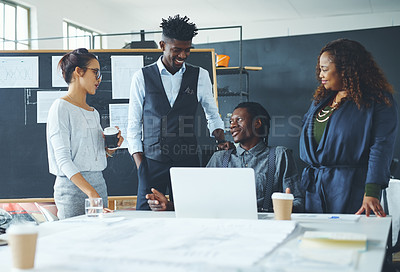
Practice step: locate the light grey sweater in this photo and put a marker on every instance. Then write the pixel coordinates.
(74, 140)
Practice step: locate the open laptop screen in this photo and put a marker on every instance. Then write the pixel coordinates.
(214, 192)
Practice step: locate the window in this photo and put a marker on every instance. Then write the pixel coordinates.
(14, 26)
(77, 37)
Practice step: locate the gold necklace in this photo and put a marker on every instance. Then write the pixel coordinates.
(70, 98)
(334, 103)
(78, 104)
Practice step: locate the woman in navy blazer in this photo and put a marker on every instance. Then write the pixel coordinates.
(348, 133)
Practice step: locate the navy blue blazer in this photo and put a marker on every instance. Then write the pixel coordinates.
(356, 148)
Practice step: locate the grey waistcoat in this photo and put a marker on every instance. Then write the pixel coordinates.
(168, 133)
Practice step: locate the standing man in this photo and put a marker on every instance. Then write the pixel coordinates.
(162, 107)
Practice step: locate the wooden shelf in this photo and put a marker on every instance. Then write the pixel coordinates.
(234, 94)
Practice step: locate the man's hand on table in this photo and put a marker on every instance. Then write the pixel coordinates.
(158, 202)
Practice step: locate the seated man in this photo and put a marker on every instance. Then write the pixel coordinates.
(274, 167)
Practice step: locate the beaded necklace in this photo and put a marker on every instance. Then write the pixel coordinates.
(325, 113)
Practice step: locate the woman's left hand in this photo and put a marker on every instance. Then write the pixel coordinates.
(121, 139)
(107, 210)
(371, 204)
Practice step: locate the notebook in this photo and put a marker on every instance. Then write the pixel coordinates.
(214, 192)
(339, 240)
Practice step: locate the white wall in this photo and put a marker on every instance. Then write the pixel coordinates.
(116, 16)
(47, 17)
(320, 25)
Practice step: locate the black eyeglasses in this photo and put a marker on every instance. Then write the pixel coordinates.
(97, 72)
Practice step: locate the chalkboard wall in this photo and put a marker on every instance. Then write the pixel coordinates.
(284, 86)
(287, 82)
(23, 155)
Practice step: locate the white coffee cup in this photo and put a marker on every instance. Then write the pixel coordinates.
(282, 204)
(111, 137)
(22, 240)
(94, 207)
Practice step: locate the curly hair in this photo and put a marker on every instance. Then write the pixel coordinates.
(257, 111)
(361, 76)
(178, 28)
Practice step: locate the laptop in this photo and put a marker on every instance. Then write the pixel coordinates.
(214, 192)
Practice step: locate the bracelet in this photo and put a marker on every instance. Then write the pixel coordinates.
(108, 154)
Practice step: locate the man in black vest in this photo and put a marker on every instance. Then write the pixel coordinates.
(162, 107)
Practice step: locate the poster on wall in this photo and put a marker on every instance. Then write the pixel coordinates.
(19, 72)
(119, 117)
(123, 68)
(57, 79)
(44, 101)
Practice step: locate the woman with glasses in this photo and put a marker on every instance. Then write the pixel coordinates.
(75, 143)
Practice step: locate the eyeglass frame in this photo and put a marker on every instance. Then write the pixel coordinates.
(97, 72)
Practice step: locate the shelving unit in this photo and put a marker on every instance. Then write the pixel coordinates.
(236, 91)
(243, 89)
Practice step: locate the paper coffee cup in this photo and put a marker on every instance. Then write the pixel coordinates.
(282, 204)
(22, 240)
(111, 136)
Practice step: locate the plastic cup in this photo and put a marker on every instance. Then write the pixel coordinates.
(111, 137)
(22, 240)
(222, 60)
(282, 204)
(94, 207)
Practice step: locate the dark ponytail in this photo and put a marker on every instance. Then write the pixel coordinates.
(78, 58)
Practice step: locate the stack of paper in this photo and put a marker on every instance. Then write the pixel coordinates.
(152, 244)
(334, 240)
